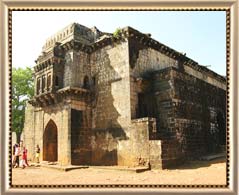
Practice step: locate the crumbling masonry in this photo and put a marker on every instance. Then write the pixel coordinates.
(122, 99)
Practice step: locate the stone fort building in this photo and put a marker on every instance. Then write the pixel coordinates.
(122, 99)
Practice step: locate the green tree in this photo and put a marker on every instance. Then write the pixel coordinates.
(117, 34)
(22, 91)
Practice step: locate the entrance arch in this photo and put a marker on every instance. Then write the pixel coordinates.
(50, 142)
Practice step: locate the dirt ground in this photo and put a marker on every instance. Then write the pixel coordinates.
(195, 172)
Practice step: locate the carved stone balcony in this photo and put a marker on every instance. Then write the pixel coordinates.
(67, 93)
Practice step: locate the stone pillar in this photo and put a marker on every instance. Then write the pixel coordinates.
(68, 149)
(64, 137)
(40, 88)
(35, 84)
(31, 124)
(51, 80)
(44, 83)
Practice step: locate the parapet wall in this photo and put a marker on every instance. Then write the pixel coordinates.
(145, 151)
(206, 77)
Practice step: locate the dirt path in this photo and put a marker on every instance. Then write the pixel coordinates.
(196, 172)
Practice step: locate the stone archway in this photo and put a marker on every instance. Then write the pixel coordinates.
(50, 151)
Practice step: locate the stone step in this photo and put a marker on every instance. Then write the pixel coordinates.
(53, 165)
(63, 168)
(122, 168)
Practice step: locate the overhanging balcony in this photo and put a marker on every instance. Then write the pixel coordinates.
(67, 93)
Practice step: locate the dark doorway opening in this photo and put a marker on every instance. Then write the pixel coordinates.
(50, 142)
(142, 108)
(80, 138)
(146, 105)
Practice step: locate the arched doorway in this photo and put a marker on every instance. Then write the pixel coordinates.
(50, 142)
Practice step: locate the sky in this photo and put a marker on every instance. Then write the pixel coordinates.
(199, 34)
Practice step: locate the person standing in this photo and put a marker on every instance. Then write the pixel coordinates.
(37, 153)
(17, 155)
(24, 158)
(14, 156)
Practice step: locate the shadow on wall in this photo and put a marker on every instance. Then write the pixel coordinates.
(107, 131)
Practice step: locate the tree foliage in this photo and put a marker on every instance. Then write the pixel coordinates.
(22, 91)
(117, 34)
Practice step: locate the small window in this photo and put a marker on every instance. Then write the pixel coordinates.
(94, 80)
(38, 86)
(43, 83)
(142, 110)
(48, 81)
(57, 81)
(86, 84)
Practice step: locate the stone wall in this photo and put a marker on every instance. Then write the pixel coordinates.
(81, 137)
(206, 77)
(185, 123)
(162, 88)
(73, 31)
(138, 144)
(104, 148)
(76, 68)
(35, 124)
(29, 131)
(150, 60)
(142, 151)
(188, 115)
(200, 110)
(80, 68)
(111, 104)
(67, 75)
(147, 61)
(134, 89)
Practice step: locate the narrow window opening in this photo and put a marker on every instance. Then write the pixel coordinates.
(48, 81)
(43, 83)
(86, 84)
(57, 81)
(38, 86)
(142, 110)
(94, 80)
